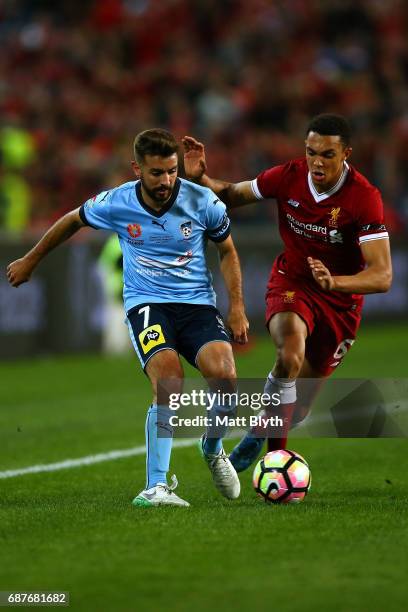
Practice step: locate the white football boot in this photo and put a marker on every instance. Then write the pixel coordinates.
(160, 495)
(223, 472)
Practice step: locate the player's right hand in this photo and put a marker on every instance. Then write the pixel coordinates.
(238, 325)
(321, 274)
(194, 158)
(19, 271)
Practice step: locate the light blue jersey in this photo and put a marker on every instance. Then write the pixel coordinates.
(163, 251)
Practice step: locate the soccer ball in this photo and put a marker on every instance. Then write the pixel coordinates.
(282, 477)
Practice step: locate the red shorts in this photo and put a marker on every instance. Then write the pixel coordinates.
(332, 328)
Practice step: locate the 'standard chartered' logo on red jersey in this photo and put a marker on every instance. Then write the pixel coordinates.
(134, 230)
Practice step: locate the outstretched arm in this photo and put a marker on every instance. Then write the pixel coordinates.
(233, 194)
(231, 271)
(20, 271)
(376, 278)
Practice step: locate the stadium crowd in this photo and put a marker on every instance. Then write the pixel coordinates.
(79, 80)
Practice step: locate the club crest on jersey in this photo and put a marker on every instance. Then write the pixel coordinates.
(289, 297)
(134, 230)
(151, 337)
(186, 229)
(334, 217)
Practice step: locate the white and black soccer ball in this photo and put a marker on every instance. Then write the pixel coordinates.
(282, 477)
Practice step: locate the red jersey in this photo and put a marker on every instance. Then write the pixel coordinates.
(328, 226)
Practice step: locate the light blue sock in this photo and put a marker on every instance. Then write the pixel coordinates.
(216, 432)
(159, 438)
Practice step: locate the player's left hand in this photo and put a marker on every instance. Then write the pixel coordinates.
(321, 274)
(238, 324)
(194, 158)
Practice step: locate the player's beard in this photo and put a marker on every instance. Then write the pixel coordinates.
(155, 194)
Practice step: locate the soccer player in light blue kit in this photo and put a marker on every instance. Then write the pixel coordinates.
(163, 223)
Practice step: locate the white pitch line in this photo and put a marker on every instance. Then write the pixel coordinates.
(89, 460)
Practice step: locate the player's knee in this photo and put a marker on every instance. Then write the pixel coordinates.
(217, 361)
(166, 375)
(167, 386)
(227, 369)
(223, 368)
(288, 363)
(173, 381)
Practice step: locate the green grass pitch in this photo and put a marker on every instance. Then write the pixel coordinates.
(344, 548)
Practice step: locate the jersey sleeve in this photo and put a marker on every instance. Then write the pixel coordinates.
(266, 184)
(96, 211)
(217, 221)
(370, 219)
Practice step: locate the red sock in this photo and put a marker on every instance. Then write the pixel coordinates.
(278, 443)
(262, 429)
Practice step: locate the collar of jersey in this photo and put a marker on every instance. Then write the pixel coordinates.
(318, 197)
(166, 207)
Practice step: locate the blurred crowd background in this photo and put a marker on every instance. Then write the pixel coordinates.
(78, 80)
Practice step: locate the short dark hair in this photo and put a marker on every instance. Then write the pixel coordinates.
(329, 124)
(154, 142)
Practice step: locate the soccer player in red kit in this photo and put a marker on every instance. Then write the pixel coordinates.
(336, 249)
